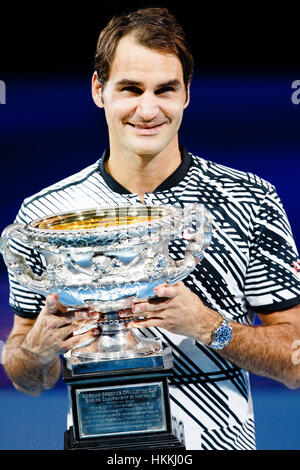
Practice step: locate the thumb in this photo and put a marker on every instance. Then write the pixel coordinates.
(53, 305)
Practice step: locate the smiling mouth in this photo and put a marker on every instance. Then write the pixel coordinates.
(146, 129)
(145, 126)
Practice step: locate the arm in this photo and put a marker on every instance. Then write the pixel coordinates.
(28, 373)
(263, 350)
(31, 353)
(267, 349)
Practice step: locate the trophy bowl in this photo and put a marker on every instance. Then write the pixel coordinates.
(107, 259)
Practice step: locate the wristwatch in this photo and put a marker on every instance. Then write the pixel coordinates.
(221, 335)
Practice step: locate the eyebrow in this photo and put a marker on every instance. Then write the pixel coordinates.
(171, 83)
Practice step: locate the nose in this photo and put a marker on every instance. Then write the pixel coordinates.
(147, 107)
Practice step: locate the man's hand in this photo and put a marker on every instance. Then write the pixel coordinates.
(52, 333)
(176, 309)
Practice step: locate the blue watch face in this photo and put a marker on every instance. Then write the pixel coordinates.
(222, 336)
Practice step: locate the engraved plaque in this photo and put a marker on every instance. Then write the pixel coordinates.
(123, 409)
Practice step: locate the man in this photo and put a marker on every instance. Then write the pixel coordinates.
(143, 69)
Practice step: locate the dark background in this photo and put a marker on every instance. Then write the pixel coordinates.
(241, 115)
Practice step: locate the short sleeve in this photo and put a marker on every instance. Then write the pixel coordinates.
(25, 302)
(272, 280)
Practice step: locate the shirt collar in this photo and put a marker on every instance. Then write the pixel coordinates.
(172, 180)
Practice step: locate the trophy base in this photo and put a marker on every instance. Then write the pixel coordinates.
(85, 366)
(121, 404)
(153, 441)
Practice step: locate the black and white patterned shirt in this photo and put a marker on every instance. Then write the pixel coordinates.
(248, 268)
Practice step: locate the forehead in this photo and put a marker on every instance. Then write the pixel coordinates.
(137, 62)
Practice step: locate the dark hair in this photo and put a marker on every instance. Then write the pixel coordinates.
(155, 28)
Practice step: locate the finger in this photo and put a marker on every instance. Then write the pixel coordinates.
(151, 307)
(81, 327)
(72, 317)
(84, 314)
(80, 340)
(145, 323)
(128, 314)
(54, 307)
(74, 328)
(169, 291)
(90, 332)
(66, 331)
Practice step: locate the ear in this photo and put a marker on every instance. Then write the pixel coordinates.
(187, 95)
(97, 91)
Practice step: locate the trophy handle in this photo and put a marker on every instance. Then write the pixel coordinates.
(197, 231)
(14, 261)
(11, 259)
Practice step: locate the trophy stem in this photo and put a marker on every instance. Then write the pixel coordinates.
(115, 337)
(116, 341)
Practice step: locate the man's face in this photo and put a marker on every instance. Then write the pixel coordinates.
(143, 98)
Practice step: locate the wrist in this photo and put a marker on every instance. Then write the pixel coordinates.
(217, 332)
(213, 320)
(221, 335)
(34, 356)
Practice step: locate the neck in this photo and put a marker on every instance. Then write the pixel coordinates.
(142, 174)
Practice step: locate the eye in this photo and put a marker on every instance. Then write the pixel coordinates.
(133, 89)
(165, 89)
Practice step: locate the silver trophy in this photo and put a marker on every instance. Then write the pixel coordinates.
(107, 259)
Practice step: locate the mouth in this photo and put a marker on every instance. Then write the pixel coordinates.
(146, 129)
